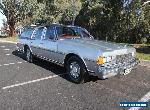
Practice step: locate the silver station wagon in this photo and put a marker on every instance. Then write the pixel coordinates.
(74, 48)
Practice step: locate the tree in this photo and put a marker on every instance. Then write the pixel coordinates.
(18, 12)
(67, 10)
(139, 29)
(8, 9)
(102, 17)
(58, 11)
(115, 20)
(26, 12)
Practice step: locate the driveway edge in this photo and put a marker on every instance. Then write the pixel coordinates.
(4, 41)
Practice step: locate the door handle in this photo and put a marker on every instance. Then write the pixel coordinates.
(31, 42)
(41, 43)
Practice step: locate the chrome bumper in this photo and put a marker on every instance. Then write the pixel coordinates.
(113, 70)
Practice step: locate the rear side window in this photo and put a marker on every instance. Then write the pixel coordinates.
(50, 33)
(59, 31)
(39, 33)
(26, 34)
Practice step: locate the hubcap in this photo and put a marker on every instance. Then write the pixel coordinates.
(28, 54)
(74, 70)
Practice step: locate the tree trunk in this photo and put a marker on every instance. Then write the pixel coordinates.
(11, 18)
(11, 23)
(12, 30)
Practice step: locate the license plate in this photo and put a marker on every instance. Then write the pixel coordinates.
(127, 71)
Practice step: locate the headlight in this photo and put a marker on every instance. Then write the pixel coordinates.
(102, 60)
(107, 59)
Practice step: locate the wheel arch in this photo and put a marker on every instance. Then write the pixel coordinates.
(69, 55)
(25, 47)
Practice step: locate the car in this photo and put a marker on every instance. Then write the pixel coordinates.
(77, 51)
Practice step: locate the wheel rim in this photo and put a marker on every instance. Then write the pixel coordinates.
(28, 55)
(75, 70)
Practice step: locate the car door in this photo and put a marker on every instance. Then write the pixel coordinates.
(49, 43)
(24, 38)
(36, 41)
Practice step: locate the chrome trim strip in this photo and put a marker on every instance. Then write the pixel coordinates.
(50, 60)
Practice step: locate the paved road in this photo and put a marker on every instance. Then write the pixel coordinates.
(43, 86)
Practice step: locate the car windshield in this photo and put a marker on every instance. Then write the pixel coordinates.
(83, 33)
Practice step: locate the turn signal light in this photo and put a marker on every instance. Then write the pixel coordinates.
(100, 61)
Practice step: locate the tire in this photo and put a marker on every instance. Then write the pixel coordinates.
(28, 55)
(76, 70)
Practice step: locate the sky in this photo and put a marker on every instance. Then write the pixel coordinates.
(1, 17)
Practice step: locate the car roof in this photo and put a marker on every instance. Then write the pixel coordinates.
(36, 26)
(50, 25)
(73, 26)
(54, 24)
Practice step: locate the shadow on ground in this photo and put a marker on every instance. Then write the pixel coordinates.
(143, 49)
(56, 69)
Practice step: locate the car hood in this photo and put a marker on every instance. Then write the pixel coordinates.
(96, 48)
(99, 45)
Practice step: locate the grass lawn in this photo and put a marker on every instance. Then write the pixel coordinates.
(143, 51)
(143, 56)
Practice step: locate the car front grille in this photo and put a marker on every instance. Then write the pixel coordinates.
(126, 58)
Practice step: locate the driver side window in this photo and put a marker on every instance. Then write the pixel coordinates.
(68, 31)
(65, 31)
(59, 31)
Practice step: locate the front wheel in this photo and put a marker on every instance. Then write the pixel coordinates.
(28, 55)
(76, 70)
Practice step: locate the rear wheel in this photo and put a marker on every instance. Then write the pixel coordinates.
(76, 70)
(28, 55)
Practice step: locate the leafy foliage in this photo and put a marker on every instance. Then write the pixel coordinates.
(116, 20)
(112, 20)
